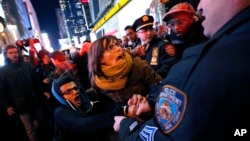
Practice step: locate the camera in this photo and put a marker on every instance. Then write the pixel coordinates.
(26, 43)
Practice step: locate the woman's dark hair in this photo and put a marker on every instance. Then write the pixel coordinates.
(95, 54)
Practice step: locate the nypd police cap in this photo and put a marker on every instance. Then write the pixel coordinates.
(143, 21)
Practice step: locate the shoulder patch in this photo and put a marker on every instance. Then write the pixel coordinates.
(170, 108)
(147, 133)
(170, 49)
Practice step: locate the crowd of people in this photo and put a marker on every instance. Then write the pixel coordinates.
(189, 83)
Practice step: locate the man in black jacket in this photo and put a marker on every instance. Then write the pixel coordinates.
(21, 92)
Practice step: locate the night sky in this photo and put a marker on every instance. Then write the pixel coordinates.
(46, 15)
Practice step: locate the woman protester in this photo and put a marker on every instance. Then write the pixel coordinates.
(115, 73)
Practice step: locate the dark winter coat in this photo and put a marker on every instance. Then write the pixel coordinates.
(20, 87)
(164, 61)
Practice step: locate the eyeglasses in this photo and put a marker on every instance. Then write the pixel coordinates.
(178, 23)
(112, 46)
(70, 91)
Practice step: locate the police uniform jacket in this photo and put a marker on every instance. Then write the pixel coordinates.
(163, 61)
(208, 91)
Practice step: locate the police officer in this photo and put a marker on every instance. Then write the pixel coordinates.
(152, 47)
(206, 95)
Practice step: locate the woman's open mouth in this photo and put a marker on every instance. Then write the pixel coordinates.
(120, 56)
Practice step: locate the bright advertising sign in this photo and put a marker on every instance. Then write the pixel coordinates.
(110, 13)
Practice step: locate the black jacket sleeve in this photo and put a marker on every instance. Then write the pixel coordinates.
(81, 123)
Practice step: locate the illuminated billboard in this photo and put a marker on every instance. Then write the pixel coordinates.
(85, 1)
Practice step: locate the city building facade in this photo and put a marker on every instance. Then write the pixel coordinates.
(74, 20)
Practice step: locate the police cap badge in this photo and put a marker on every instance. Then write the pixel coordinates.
(143, 21)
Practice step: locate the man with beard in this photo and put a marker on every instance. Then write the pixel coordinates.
(21, 93)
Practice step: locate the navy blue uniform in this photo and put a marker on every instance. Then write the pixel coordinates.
(206, 94)
(163, 61)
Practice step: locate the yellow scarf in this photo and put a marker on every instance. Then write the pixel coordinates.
(117, 75)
